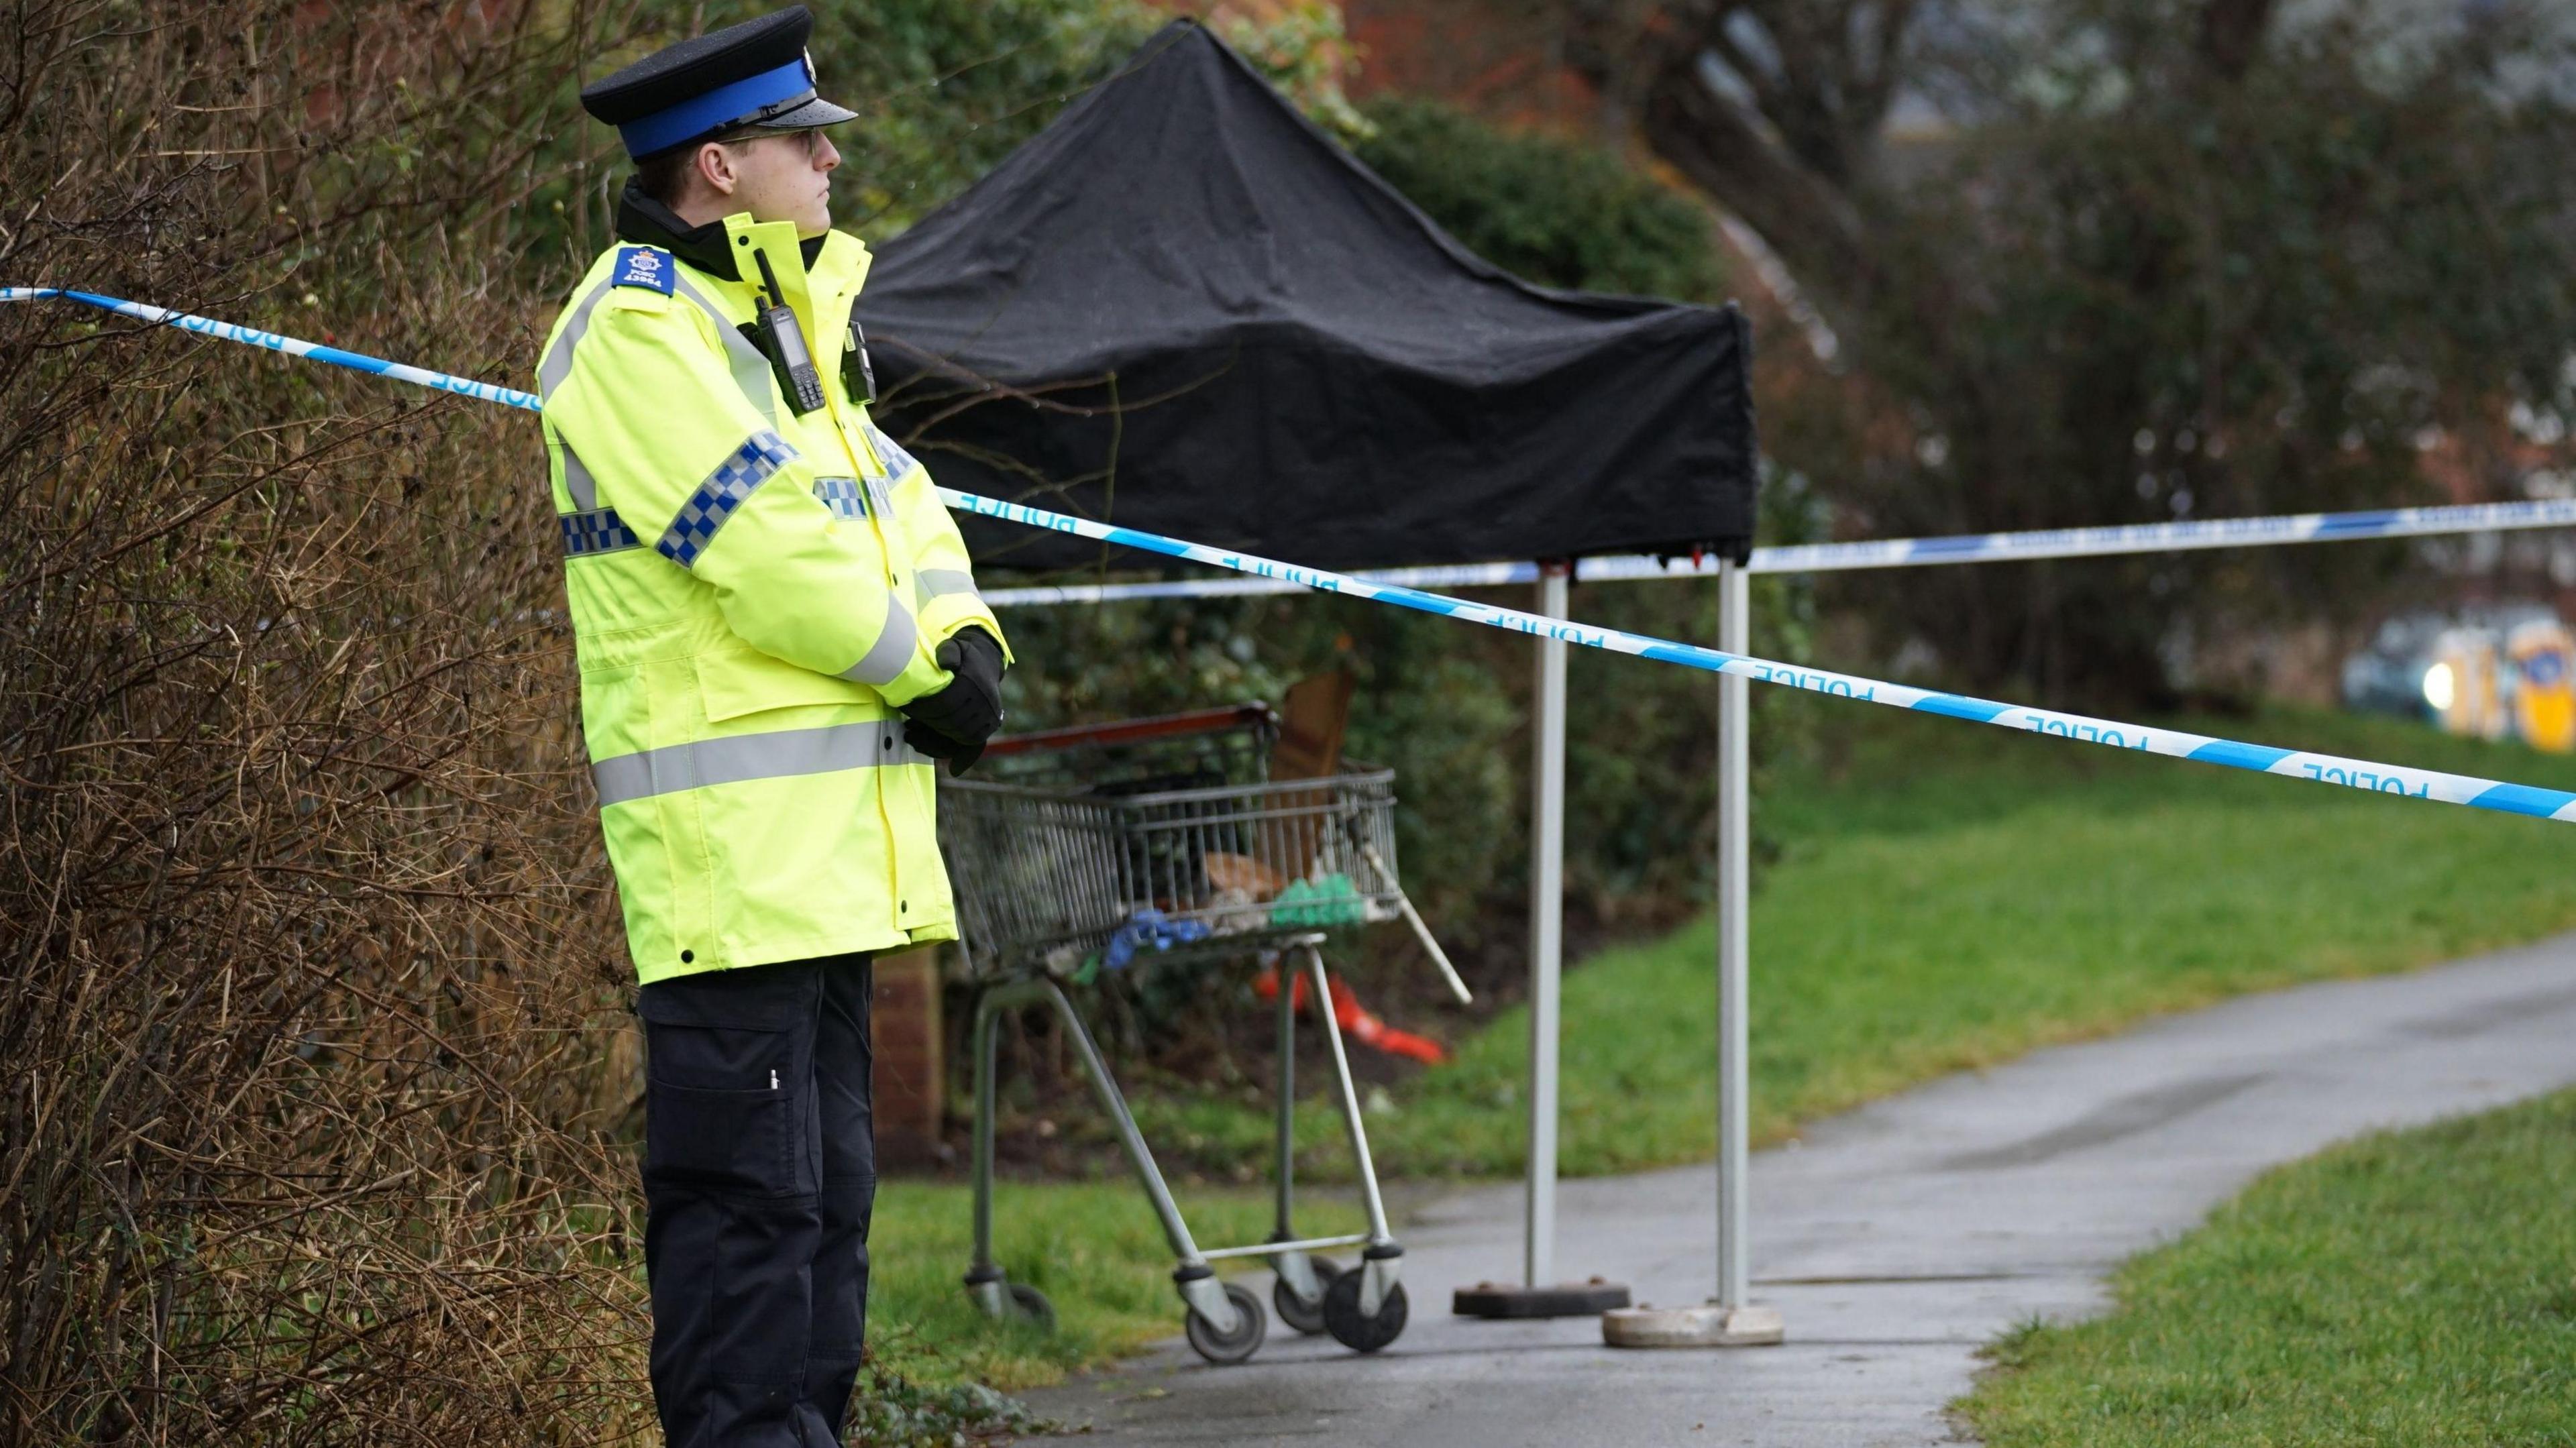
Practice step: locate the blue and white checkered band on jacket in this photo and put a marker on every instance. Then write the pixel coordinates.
(842, 496)
(601, 531)
(898, 462)
(751, 464)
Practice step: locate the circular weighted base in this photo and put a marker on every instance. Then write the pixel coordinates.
(1751, 1325)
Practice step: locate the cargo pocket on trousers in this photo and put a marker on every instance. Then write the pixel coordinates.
(723, 1140)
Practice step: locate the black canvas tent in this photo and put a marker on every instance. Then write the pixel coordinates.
(1183, 308)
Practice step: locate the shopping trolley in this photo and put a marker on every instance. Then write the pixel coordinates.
(1169, 836)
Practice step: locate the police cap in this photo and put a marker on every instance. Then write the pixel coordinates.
(753, 74)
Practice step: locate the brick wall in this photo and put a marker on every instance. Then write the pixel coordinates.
(906, 1027)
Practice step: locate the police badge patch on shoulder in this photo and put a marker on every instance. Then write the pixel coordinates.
(643, 266)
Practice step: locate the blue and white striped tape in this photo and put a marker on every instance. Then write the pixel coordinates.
(291, 346)
(2322, 768)
(2168, 537)
(1802, 558)
(1897, 552)
(2487, 794)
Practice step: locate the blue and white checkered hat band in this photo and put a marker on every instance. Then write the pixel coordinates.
(751, 464)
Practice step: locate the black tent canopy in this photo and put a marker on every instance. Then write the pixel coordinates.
(1182, 308)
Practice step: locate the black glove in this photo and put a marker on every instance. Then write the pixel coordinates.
(929, 741)
(956, 720)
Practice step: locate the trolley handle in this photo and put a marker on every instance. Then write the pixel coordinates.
(1252, 716)
(1412, 917)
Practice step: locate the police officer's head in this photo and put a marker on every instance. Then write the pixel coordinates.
(729, 122)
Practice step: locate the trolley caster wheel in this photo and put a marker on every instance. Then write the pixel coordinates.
(1303, 1313)
(1031, 1306)
(1019, 1302)
(1249, 1329)
(1343, 1320)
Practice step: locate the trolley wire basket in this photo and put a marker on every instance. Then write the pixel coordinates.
(1169, 830)
(1091, 843)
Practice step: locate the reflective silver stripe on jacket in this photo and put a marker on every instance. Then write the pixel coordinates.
(583, 488)
(782, 754)
(750, 369)
(558, 360)
(930, 583)
(884, 661)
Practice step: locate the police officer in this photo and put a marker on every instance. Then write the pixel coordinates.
(778, 632)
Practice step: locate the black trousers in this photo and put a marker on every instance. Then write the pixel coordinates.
(759, 1179)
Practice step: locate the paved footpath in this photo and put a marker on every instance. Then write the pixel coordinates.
(1895, 1240)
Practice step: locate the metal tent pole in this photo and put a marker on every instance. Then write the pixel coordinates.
(1730, 1319)
(1734, 831)
(1540, 1294)
(1547, 931)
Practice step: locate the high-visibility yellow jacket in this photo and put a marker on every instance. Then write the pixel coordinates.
(752, 593)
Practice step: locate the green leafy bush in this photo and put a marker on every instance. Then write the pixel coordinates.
(1551, 211)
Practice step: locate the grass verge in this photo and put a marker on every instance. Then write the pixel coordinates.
(1093, 1248)
(1948, 897)
(2412, 1288)
(1944, 898)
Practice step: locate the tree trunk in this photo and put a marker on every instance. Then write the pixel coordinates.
(1814, 227)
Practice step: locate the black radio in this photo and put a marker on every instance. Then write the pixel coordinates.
(780, 340)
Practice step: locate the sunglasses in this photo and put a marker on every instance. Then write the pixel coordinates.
(809, 140)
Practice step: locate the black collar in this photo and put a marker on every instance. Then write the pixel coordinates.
(647, 222)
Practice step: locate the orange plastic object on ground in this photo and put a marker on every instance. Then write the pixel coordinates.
(1354, 1020)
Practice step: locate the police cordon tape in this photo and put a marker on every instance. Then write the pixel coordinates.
(291, 346)
(2124, 538)
(1895, 552)
(2261, 758)
(2486, 794)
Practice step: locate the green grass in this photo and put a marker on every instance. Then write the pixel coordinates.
(1949, 896)
(1946, 896)
(2415, 1288)
(1092, 1247)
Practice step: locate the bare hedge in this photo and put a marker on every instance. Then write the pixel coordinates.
(312, 1006)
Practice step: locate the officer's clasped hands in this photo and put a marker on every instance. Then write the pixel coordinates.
(953, 723)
